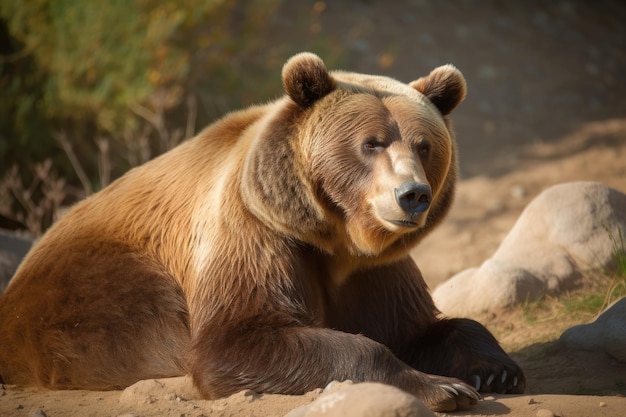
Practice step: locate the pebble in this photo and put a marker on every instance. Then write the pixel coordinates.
(37, 412)
(545, 413)
(337, 385)
(602, 404)
(518, 192)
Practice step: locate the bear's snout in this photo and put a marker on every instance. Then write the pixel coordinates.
(413, 197)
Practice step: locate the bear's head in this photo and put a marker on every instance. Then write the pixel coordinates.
(352, 162)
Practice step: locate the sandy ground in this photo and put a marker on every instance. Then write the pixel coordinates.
(546, 105)
(163, 400)
(558, 380)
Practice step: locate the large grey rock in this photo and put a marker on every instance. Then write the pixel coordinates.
(366, 399)
(566, 231)
(606, 334)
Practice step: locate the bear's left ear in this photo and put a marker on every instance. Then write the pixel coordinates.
(445, 87)
(306, 79)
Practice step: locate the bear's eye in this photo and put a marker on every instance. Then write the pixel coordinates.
(373, 145)
(423, 150)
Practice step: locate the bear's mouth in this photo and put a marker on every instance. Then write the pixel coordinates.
(403, 223)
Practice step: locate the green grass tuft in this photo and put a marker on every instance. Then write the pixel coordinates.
(617, 285)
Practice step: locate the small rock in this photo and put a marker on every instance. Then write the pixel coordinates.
(542, 412)
(37, 412)
(607, 333)
(142, 392)
(148, 391)
(531, 401)
(337, 385)
(363, 399)
(518, 192)
(602, 404)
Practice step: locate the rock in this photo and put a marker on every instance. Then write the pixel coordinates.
(149, 391)
(566, 231)
(366, 399)
(335, 386)
(542, 412)
(37, 412)
(12, 250)
(606, 334)
(141, 392)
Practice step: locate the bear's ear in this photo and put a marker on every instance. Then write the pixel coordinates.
(306, 79)
(445, 87)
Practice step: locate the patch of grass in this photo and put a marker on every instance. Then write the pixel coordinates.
(544, 320)
(617, 286)
(596, 298)
(541, 321)
(530, 310)
(583, 305)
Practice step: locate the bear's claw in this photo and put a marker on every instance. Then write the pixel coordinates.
(490, 379)
(460, 389)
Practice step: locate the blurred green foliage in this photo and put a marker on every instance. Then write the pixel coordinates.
(103, 69)
(89, 89)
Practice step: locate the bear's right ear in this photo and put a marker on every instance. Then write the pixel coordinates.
(306, 79)
(445, 87)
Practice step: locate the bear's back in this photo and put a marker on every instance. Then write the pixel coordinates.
(155, 208)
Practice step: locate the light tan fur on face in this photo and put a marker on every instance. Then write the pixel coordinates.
(398, 166)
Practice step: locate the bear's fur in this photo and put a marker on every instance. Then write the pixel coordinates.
(270, 253)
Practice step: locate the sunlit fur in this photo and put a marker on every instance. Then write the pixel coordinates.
(253, 256)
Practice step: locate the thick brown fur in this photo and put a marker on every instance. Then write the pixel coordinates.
(268, 253)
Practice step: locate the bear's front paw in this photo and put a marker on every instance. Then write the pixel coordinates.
(481, 362)
(464, 349)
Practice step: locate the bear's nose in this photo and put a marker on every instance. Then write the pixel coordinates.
(413, 197)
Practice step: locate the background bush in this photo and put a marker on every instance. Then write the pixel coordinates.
(95, 88)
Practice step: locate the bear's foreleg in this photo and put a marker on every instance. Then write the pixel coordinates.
(391, 304)
(266, 356)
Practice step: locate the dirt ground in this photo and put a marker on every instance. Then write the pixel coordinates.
(546, 104)
(568, 383)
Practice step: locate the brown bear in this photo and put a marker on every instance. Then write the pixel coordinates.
(270, 252)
